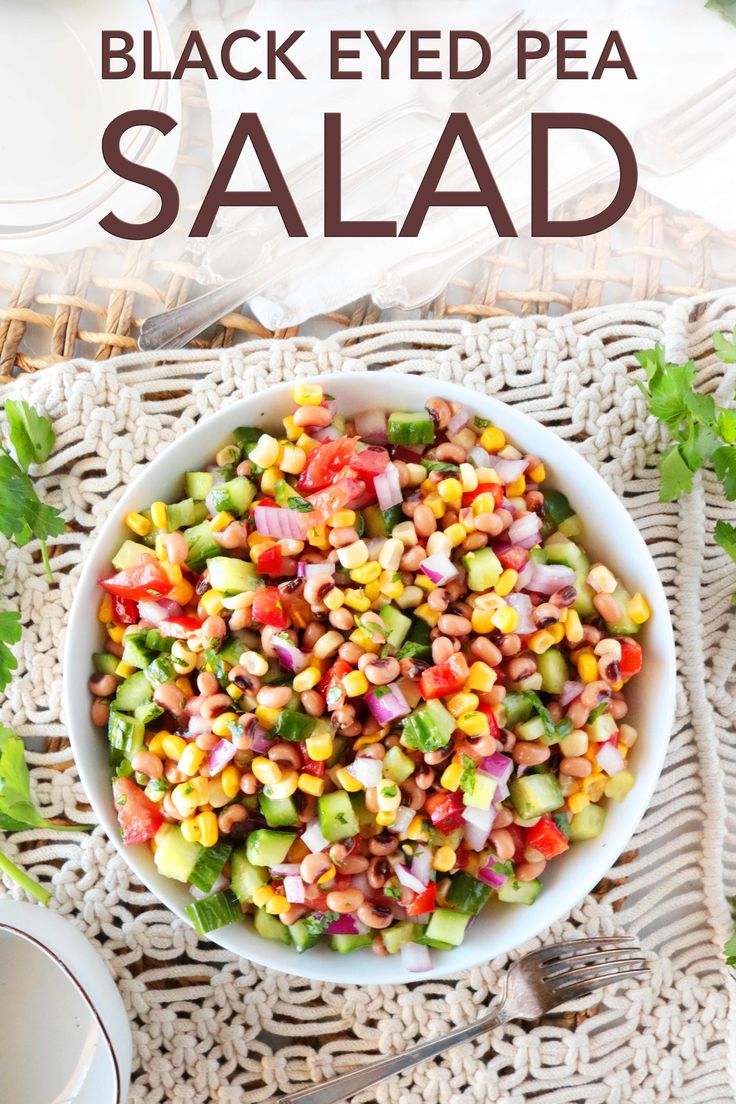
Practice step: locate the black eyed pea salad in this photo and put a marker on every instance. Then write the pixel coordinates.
(362, 678)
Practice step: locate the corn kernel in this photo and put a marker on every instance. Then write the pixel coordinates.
(277, 905)
(311, 784)
(183, 593)
(427, 486)
(230, 780)
(389, 586)
(444, 859)
(468, 477)
(540, 641)
(160, 515)
(262, 896)
(306, 443)
(506, 582)
(492, 439)
(355, 684)
(353, 555)
(208, 830)
(357, 600)
(270, 478)
(190, 760)
(319, 747)
(450, 779)
(327, 645)
(557, 632)
(366, 741)
(221, 724)
(575, 743)
(254, 663)
(462, 703)
(573, 627)
(425, 583)
(505, 619)
(184, 685)
(285, 786)
(601, 580)
(436, 505)
(450, 490)
(638, 609)
(265, 453)
(455, 534)
(267, 716)
(173, 746)
(427, 614)
(483, 504)
(342, 519)
(116, 633)
(410, 597)
(291, 429)
(474, 724)
(188, 795)
(266, 771)
(406, 533)
(124, 669)
(346, 780)
(481, 677)
(417, 830)
(390, 555)
(306, 679)
(308, 394)
(482, 621)
(577, 802)
(364, 641)
(385, 818)
(190, 829)
(138, 523)
(156, 745)
(105, 609)
(221, 521)
(368, 573)
(334, 599)
(328, 875)
(293, 460)
(438, 543)
(594, 785)
(587, 667)
(516, 488)
(173, 573)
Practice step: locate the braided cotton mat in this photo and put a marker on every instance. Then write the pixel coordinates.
(210, 1028)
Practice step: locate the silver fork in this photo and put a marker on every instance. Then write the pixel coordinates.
(536, 984)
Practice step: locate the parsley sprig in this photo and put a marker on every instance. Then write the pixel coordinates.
(729, 948)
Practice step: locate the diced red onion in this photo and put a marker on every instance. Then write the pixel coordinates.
(160, 610)
(402, 820)
(408, 880)
(289, 656)
(220, 756)
(366, 771)
(524, 531)
(312, 837)
(458, 421)
(387, 703)
(306, 570)
(508, 471)
(285, 870)
(330, 405)
(478, 823)
(498, 766)
(370, 425)
(548, 578)
(260, 742)
(524, 576)
(344, 925)
(328, 433)
(438, 568)
(273, 521)
(421, 865)
(522, 603)
(480, 457)
(512, 555)
(294, 890)
(570, 691)
(466, 517)
(610, 759)
(490, 876)
(387, 488)
(502, 792)
(423, 918)
(416, 958)
(199, 725)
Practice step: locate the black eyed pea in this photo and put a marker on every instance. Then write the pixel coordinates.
(380, 672)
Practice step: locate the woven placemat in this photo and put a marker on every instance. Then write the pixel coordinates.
(209, 1028)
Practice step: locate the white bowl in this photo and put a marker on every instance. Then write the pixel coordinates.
(610, 534)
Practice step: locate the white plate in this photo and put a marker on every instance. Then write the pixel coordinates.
(610, 534)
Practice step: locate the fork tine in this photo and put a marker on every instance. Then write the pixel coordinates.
(597, 974)
(702, 103)
(563, 966)
(564, 951)
(716, 132)
(579, 992)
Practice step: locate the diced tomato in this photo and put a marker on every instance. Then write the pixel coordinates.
(145, 579)
(408, 455)
(487, 709)
(138, 817)
(268, 608)
(445, 810)
(546, 838)
(179, 627)
(271, 561)
(445, 678)
(264, 502)
(331, 685)
(461, 858)
(423, 902)
(512, 556)
(630, 662)
(366, 465)
(324, 462)
(334, 498)
(124, 611)
(311, 766)
(494, 489)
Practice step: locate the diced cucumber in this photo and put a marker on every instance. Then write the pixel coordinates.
(231, 650)
(185, 513)
(483, 567)
(159, 671)
(156, 788)
(561, 550)
(136, 655)
(517, 708)
(429, 727)
(199, 484)
(553, 668)
(280, 812)
(537, 556)
(337, 818)
(395, 937)
(235, 496)
(270, 927)
(557, 506)
(125, 733)
(602, 728)
(533, 729)
(147, 712)
(536, 794)
(245, 437)
(435, 944)
(451, 839)
(447, 926)
(202, 545)
(213, 912)
(624, 626)
(245, 878)
(343, 944)
(155, 642)
(291, 725)
(208, 866)
(397, 765)
(619, 785)
(135, 690)
(390, 518)
(571, 527)
(373, 519)
(583, 605)
(397, 623)
(514, 892)
(267, 848)
(587, 824)
(302, 935)
(466, 893)
(411, 429)
(232, 576)
(482, 792)
(128, 553)
(174, 856)
(104, 663)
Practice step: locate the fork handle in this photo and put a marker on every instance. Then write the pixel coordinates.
(339, 1088)
(175, 327)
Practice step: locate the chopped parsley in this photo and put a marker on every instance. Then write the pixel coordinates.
(392, 891)
(467, 778)
(317, 923)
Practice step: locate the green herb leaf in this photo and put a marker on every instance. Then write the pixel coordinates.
(729, 948)
(725, 347)
(677, 478)
(392, 891)
(10, 633)
(17, 809)
(726, 538)
(724, 465)
(316, 925)
(439, 466)
(506, 868)
(31, 434)
(217, 666)
(467, 778)
(411, 648)
(597, 712)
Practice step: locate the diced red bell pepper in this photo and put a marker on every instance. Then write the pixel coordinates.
(311, 766)
(546, 838)
(461, 858)
(423, 902)
(271, 561)
(513, 557)
(324, 462)
(445, 810)
(630, 662)
(517, 835)
(124, 611)
(144, 580)
(265, 501)
(445, 678)
(139, 818)
(268, 608)
(487, 710)
(179, 627)
(494, 489)
(331, 685)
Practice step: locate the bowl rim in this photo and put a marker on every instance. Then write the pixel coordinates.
(356, 968)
